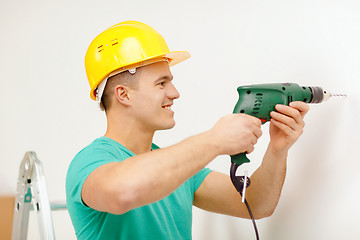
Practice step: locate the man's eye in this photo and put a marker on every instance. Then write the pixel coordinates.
(161, 83)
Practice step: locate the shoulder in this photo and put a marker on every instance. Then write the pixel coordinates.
(101, 151)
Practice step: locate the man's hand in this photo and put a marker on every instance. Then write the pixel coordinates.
(236, 133)
(286, 126)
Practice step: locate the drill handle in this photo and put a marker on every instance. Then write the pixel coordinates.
(240, 158)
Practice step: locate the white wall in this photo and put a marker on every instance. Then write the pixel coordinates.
(45, 104)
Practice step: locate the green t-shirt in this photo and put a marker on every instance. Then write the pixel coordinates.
(169, 218)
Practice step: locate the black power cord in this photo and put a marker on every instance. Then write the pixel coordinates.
(238, 182)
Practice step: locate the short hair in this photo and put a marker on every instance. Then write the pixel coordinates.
(124, 78)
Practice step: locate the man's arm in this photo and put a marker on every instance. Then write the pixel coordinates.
(217, 194)
(143, 179)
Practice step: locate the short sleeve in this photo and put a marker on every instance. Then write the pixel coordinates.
(199, 177)
(85, 162)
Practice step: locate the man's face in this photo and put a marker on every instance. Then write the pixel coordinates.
(153, 98)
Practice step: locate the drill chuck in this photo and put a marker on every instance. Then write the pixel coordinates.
(318, 95)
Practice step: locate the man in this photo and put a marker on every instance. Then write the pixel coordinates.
(122, 186)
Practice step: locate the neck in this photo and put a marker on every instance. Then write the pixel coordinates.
(127, 133)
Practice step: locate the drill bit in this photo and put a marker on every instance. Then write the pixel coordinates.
(337, 95)
(327, 95)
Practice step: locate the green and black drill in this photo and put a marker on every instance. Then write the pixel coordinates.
(258, 101)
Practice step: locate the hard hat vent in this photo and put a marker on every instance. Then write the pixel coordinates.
(114, 42)
(100, 48)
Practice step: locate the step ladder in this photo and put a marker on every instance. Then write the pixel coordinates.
(31, 194)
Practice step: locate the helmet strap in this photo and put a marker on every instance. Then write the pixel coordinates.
(100, 90)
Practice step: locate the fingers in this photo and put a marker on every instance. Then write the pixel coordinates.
(292, 115)
(250, 149)
(258, 132)
(255, 127)
(243, 132)
(290, 122)
(290, 119)
(252, 119)
(302, 107)
(288, 130)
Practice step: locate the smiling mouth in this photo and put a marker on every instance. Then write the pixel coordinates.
(168, 107)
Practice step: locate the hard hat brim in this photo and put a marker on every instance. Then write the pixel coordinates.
(177, 57)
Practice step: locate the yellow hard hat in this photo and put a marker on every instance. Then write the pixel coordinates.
(124, 46)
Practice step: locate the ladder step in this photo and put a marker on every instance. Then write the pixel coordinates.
(58, 206)
(54, 206)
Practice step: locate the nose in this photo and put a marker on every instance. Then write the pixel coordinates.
(173, 92)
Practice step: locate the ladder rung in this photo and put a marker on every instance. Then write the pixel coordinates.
(55, 206)
(58, 206)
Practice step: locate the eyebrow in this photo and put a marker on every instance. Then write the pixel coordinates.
(165, 77)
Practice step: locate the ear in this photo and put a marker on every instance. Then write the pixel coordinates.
(122, 94)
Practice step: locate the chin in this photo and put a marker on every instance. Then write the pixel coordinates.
(168, 126)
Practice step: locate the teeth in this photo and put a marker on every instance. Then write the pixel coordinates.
(167, 107)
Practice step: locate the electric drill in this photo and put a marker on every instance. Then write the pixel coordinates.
(260, 99)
